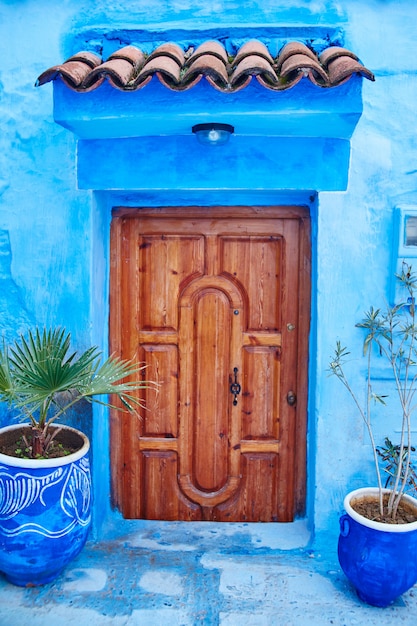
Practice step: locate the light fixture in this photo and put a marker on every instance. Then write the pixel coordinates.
(213, 134)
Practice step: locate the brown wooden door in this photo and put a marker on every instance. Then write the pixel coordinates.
(208, 297)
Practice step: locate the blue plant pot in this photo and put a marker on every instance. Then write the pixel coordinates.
(380, 560)
(45, 513)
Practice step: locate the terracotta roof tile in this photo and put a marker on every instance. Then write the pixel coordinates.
(89, 58)
(74, 71)
(341, 68)
(209, 66)
(120, 68)
(131, 54)
(170, 50)
(165, 67)
(253, 47)
(292, 49)
(303, 63)
(334, 52)
(130, 69)
(253, 65)
(118, 71)
(213, 48)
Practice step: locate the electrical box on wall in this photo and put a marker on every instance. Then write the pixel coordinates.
(404, 248)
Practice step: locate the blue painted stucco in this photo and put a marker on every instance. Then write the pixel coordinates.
(349, 153)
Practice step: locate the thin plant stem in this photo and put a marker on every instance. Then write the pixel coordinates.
(394, 335)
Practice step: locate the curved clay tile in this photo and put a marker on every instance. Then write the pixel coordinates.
(119, 72)
(304, 64)
(73, 71)
(94, 85)
(131, 54)
(50, 74)
(241, 84)
(333, 52)
(170, 50)
(209, 47)
(291, 49)
(282, 83)
(208, 66)
(341, 68)
(250, 48)
(120, 68)
(183, 86)
(135, 85)
(253, 66)
(90, 58)
(129, 69)
(162, 65)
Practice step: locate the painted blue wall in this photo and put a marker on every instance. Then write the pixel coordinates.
(54, 226)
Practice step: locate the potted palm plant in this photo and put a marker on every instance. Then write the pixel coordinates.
(45, 483)
(378, 534)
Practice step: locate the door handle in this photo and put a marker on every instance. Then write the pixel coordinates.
(291, 398)
(235, 388)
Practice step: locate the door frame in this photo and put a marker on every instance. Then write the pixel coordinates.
(302, 214)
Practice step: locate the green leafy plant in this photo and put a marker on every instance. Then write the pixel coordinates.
(392, 335)
(42, 378)
(389, 455)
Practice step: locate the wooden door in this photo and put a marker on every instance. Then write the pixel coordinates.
(216, 302)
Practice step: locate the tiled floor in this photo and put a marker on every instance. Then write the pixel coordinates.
(158, 574)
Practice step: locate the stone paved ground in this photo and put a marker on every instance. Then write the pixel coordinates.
(186, 575)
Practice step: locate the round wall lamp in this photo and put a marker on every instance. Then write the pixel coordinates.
(213, 134)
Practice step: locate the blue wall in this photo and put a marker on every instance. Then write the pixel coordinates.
(55, 206)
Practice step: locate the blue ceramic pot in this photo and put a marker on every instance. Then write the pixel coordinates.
(380, 560)
(45, 512)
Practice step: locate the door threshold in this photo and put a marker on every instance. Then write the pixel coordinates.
(209, 536)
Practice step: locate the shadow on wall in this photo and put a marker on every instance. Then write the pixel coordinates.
(14, 321)
(14, 318)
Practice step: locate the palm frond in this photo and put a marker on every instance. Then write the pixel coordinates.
(42, 367)
(42, 377)
(7, 392)
(115, 377)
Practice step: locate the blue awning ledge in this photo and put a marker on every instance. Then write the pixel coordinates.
(293, 117)
(245, 162)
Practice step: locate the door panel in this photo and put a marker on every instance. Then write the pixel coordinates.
(261, 365)
(210, 414)
(254, 264)
(212, 300)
